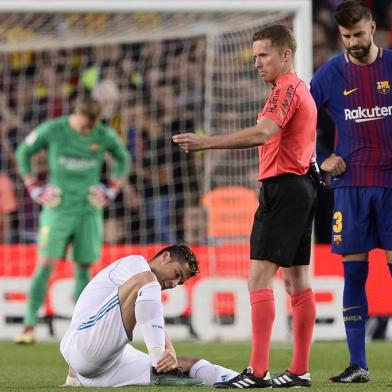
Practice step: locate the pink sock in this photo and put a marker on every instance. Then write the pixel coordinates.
(304, 317)
(263, 316)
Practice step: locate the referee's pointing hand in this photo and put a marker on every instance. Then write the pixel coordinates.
(190, 141)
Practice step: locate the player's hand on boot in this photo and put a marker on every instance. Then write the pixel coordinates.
(168, 361)
(100, 195)
(46, 195)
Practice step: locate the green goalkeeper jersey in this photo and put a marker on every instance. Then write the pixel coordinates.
(75, 161)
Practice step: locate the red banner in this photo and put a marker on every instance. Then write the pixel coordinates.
(229, 260)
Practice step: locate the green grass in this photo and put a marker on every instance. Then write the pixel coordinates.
(41, 368)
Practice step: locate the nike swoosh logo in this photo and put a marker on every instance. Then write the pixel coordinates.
(350, 308)
(345, 92)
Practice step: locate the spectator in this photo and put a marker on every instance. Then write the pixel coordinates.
(7, 207)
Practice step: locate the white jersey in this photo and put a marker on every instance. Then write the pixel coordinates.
(96, 341)
(105, 283)
(96, 344)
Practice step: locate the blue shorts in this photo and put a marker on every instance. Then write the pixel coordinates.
(361, 220)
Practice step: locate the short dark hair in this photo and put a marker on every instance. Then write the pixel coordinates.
(350, 12)
(183, 254)
(89, 106)
(279, 35)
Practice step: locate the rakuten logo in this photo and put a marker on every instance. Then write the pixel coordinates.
(362, 115)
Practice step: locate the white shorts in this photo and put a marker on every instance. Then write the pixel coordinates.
(98, 350)
(131, 367)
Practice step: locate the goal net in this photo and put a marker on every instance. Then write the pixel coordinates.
(157, 73)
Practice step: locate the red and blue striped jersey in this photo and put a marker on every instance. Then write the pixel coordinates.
(359, 101)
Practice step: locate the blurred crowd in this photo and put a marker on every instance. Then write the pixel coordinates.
(149, 92)
(145, 97)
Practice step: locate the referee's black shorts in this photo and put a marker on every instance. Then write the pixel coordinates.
(282, 226)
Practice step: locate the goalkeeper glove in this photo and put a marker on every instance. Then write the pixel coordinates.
(315, 175)
(45, 195)
(101, 195)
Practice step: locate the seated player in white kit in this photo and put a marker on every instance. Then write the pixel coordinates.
(128, 291)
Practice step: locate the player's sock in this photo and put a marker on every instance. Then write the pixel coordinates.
(37, 293)
(263, 316)
(149, 316)
(390, 268)
(210, 373)
(304, 316)
(355, 310)
(82, 276)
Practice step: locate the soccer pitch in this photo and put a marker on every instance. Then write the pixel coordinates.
(41, 368)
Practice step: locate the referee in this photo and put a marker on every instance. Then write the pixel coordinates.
(281, 235)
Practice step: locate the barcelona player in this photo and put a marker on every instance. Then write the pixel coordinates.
(73, 199)
(355, 90)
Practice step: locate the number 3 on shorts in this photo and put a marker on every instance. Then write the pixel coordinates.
(338, 225)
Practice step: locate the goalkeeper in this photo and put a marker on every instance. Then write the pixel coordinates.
(73, 198)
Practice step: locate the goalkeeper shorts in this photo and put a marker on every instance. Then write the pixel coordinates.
(84, 232)
(96, 347)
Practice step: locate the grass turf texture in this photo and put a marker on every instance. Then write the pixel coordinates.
(41, 368)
